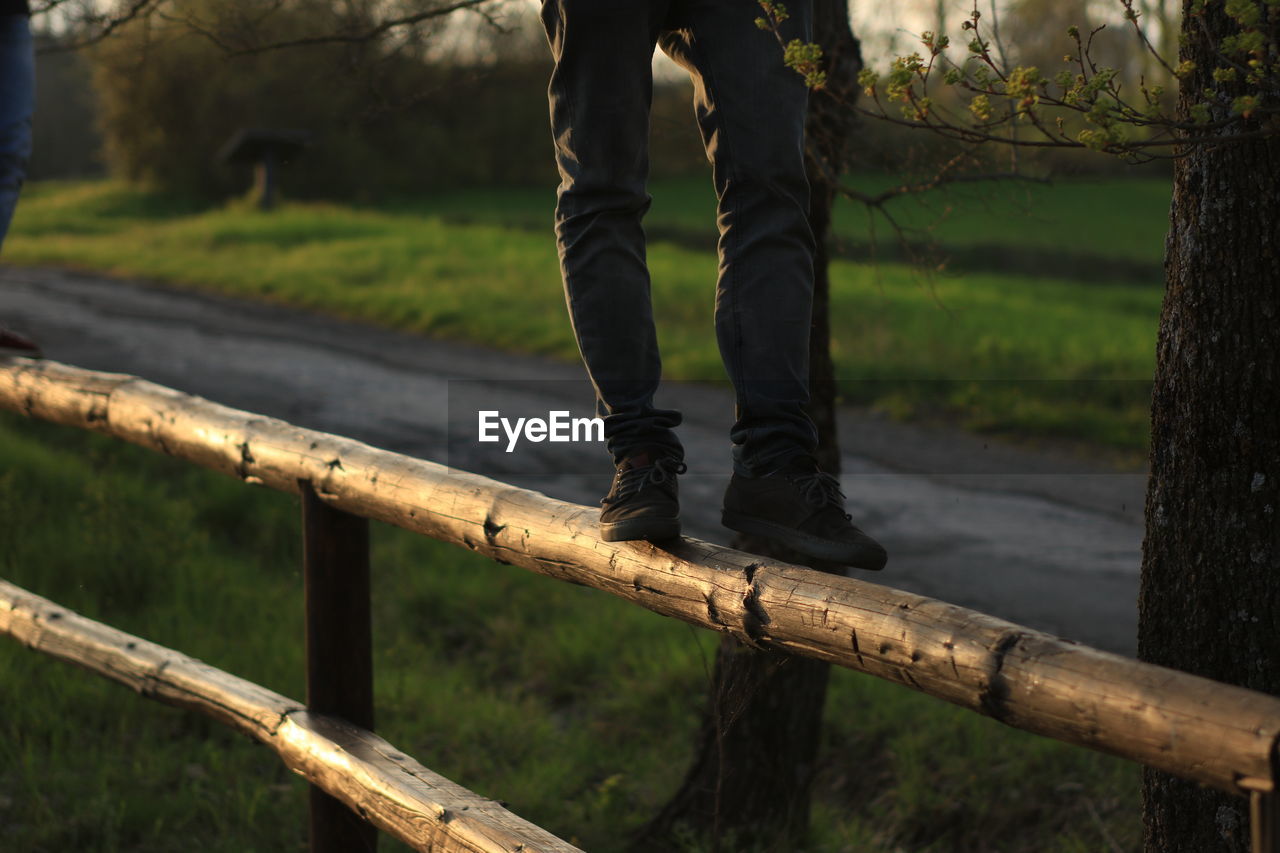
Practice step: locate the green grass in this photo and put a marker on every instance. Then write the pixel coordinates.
(575, 708)
(1076, 352)
(1125, 219)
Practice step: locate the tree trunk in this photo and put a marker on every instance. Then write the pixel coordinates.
(1210, 601)
(748, 786)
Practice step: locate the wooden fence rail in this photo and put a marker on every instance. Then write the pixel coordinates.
(369, 775)
(1208, 732)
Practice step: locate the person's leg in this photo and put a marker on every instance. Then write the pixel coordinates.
(17, 101)
(751, 110)
(600, 94)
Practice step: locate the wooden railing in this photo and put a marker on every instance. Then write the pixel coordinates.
(348, 763)
(1212, 733)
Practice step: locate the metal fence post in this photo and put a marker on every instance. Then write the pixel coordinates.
(335, 558)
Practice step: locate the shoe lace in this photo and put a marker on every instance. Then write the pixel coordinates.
(821, 490)
(631, 480)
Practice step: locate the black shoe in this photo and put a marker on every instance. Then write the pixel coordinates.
(644, 502)
(12, 343)
(802, 508)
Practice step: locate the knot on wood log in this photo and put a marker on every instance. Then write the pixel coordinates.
(246, 460)
(755, 619)
(640, 586)
(492, 529)
(993, 701)
(713, 612)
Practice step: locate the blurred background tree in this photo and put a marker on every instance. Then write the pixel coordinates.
(65, 124)
(444, 102)
(440, 102)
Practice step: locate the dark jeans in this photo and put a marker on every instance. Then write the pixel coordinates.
(750, 108)
(17, 100)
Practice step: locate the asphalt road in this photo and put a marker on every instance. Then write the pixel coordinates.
(1047, 539)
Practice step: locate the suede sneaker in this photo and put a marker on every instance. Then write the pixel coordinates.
(644, 501)
(802, 508)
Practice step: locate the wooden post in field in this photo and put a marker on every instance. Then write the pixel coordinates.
(1264, 814)
(264, 180)
(267, 151)
(335, 557)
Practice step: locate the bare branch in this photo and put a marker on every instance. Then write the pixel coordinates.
(105, 24)
(1132, 15)
(366, 35)
(101, 26)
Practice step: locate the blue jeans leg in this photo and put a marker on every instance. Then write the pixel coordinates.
(17, 102)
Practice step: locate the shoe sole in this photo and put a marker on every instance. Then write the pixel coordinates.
(870, 558)
(652, 529)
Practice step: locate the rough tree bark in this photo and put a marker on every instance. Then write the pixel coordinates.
(749, 783)
(1210, 600)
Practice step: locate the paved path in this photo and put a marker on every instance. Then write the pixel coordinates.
(1043, 539)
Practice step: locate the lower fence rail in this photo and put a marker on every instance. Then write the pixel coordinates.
(366, 774)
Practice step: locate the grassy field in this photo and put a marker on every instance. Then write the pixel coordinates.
(575, 708)
(1073, 353)
(1122, 219)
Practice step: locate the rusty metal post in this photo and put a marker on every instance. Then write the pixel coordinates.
(335, 558)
